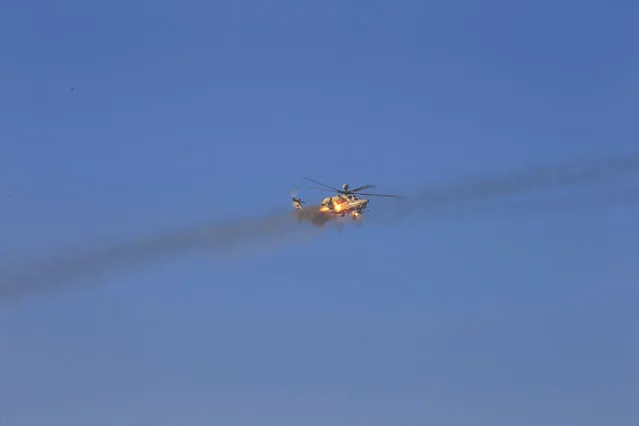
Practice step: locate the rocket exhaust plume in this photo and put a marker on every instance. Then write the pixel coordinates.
(65, 268)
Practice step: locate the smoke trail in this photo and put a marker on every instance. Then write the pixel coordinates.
(68, 267)
(502, 209)
(473, 190)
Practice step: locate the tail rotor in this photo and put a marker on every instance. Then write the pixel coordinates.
(297, 202)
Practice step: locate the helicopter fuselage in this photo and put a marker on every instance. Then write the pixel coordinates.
(343, 204)
(346, 202)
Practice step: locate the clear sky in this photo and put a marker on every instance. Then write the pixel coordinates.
(120, 117)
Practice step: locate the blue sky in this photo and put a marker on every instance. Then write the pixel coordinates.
(198, 111)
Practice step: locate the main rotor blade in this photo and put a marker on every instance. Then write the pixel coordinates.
(321, 184)
(380, 195)
(361, 187)
(320, 189)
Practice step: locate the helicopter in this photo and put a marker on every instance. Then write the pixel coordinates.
(347, 200)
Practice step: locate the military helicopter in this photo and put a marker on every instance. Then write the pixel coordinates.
(345, 202)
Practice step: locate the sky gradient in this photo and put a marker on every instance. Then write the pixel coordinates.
(122, 118)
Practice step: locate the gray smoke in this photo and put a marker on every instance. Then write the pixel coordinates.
(64, 268)
(516, 208)
(475, 190)
(68, 267)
